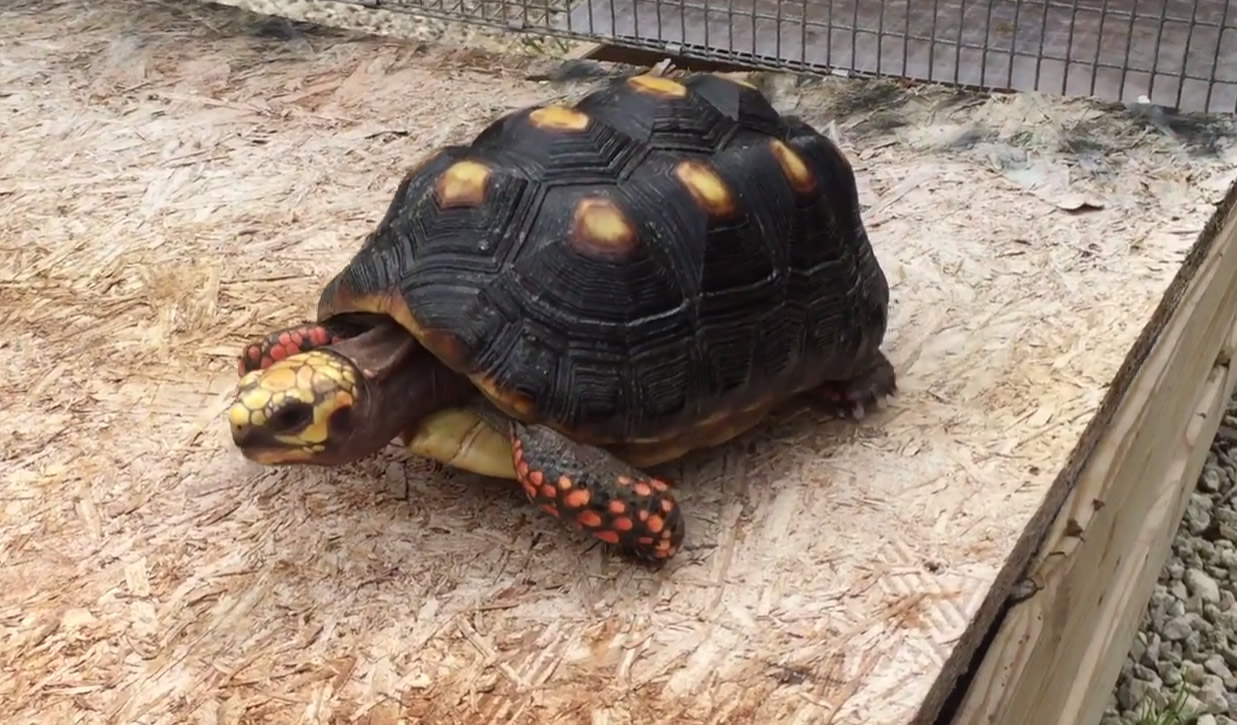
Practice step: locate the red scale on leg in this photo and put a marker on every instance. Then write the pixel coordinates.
(521, 473)
(589, 489)
(250, 360)
(293, 341)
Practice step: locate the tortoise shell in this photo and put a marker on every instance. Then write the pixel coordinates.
(660, 256)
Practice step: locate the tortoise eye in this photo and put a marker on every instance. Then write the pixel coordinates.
(292, 417)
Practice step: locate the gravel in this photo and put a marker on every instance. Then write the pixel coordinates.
(1185, 651)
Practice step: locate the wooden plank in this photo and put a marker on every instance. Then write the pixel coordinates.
(1057, 653)
(584, 51)
(997, 45)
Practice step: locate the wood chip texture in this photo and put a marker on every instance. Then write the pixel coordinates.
(175, 182)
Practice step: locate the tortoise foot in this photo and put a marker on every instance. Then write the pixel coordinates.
(290, 341)
(591, 490)
(853, 398)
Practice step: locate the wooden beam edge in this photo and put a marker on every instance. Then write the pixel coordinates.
(639, 56)
(1021, 671)
(1119, 614)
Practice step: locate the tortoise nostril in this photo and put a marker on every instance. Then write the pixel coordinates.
(242, 434)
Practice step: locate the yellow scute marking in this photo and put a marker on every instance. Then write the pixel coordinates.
(463, 183)
(600, 229)
(604, 222)
(658, 85)
(509, 402)
(708, 189)
(559, 118)
(797, 172)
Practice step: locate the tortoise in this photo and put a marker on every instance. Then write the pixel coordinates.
(583, 292)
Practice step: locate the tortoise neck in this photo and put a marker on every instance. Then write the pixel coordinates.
(401, 383)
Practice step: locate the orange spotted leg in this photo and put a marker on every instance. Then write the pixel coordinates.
(851, 398)
(591, 490)
(290, 341)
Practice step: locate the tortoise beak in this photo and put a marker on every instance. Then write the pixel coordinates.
(245, 436)
(252, 442)
(258, 445)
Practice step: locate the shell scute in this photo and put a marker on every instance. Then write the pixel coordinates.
(662, 255)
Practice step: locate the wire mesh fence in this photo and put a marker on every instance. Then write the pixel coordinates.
(1176, 53)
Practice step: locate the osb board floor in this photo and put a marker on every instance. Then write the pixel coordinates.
(175, 182)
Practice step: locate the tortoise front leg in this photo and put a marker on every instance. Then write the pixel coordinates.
(590, 489)
(289, 341)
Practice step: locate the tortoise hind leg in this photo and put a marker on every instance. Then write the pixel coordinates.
(852, 397)
(261, 353)
(592, 490)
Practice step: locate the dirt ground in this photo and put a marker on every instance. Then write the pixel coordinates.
(181, 178)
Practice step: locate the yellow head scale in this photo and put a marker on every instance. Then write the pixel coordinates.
(284, 413)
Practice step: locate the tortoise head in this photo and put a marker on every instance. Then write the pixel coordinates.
(337, 403)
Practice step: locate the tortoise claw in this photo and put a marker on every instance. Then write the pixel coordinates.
(853, 398)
